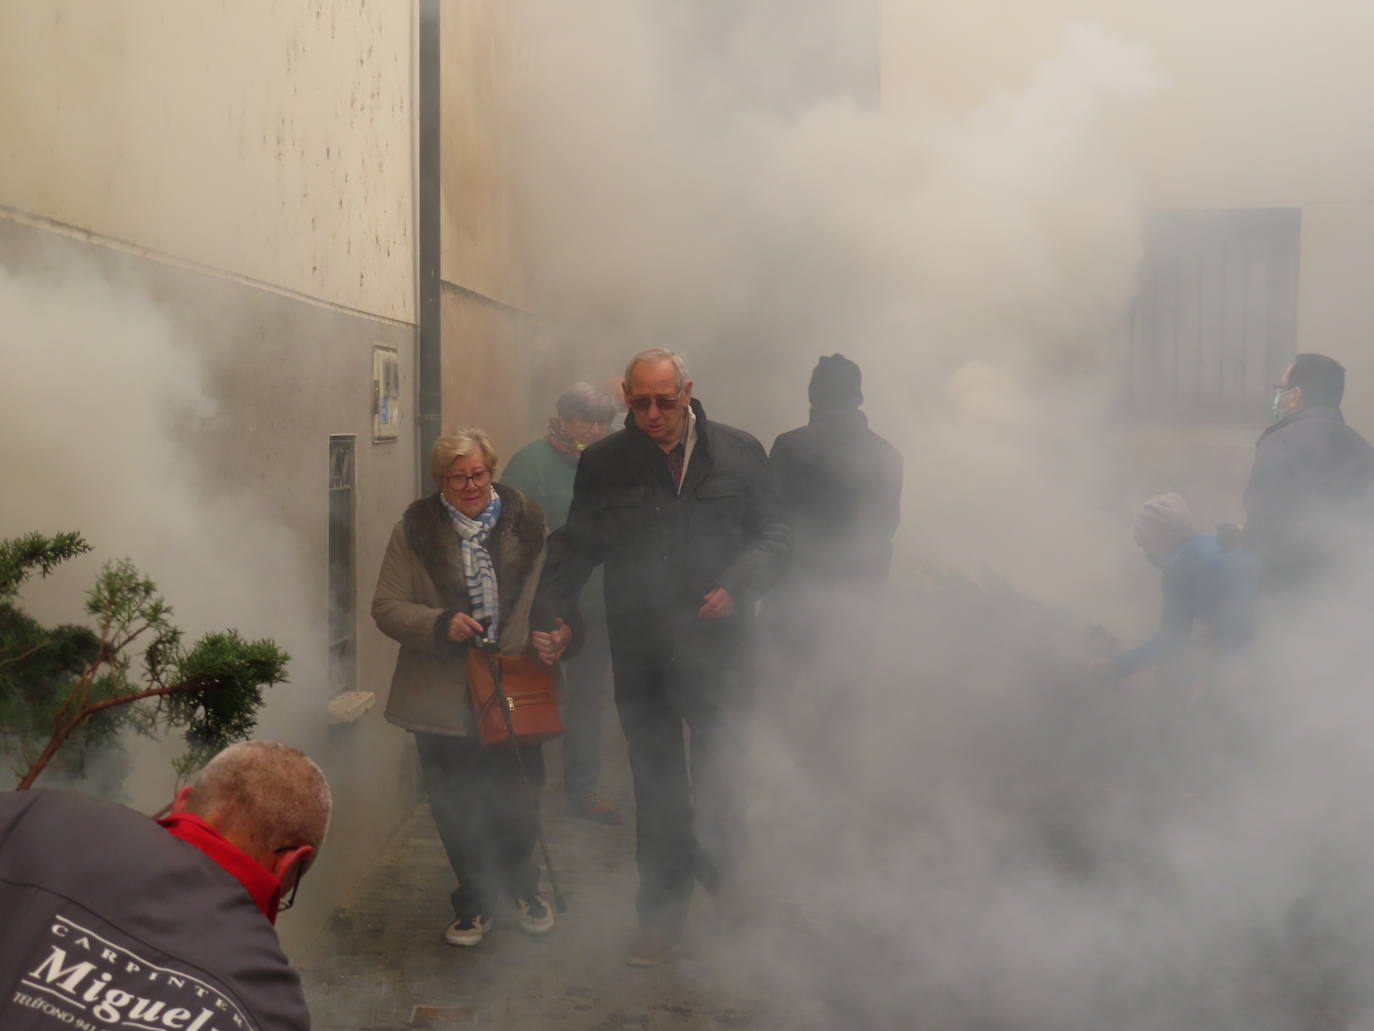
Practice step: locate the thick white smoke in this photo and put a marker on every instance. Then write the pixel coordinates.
(957, 828)
(110, 431)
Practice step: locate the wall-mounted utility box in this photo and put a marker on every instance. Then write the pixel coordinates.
(386, 393)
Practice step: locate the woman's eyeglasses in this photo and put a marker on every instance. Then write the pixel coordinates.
(458, 481)
(665, 402)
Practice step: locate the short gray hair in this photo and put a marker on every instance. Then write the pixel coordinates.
(263, 795)
(584, 401)
(659, 354)
(467, 440)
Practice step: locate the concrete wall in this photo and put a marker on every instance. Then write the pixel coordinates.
(243, 172)
(272, 141)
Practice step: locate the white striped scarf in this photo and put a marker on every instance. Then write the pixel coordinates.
(478, 572)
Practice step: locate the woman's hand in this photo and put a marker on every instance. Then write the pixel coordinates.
(551, 644)
(463, 627)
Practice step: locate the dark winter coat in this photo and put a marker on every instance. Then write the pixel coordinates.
(665, 550)
(421, 587)
(1310, 470)
(841, 489)
(108, 918)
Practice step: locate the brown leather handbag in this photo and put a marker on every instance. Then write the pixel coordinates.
(529, 692)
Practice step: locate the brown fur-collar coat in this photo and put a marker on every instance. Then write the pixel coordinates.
(421, 586)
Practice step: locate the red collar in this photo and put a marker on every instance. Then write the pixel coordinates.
(259, 882)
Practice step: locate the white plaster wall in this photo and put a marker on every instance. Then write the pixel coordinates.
(268, 140)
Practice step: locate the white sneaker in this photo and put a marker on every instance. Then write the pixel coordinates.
(468, 930)
(536, 915)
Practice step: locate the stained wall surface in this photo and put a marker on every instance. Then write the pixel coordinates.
(241, 176)
(270, 141)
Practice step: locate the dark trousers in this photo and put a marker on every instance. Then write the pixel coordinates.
(582, 701)
(487, 817)
(689, 800)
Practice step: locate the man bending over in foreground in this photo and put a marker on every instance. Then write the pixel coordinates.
(111, 919)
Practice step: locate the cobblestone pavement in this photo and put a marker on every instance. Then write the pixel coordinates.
(382, 962)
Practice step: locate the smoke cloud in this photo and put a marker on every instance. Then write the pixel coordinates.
(957, 827)
(110, 431)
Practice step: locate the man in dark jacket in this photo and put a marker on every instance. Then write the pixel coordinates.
(110, 919)
(841, 488)
(1310, 471)
(683, 514)
(544, 471)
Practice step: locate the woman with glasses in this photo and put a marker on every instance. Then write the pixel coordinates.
(463, 562)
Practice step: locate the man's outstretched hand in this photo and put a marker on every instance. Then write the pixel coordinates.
(551, 644)
(719, 605)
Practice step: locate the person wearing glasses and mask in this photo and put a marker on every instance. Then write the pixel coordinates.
(1310, 470)
(683, 515)
(544, 470)
(462, 562)
(115, 919)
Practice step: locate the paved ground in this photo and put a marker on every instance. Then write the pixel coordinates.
(383, 955)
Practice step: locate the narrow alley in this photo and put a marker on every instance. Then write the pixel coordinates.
(382, 964)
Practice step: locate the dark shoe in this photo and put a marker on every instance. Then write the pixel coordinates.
(536, 915)
(595, 810)
(650, 947)
(468, 930)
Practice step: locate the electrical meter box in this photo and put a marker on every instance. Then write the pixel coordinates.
(386, 393)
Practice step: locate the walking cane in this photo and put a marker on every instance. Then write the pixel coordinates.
(488, 646)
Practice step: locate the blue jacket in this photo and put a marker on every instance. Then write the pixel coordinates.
(1201, 584)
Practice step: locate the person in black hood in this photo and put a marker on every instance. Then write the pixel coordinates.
(1311, 471)
(682, 513)
(840, 485)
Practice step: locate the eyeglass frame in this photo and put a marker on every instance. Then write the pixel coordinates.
(290, 900)
(665, 402)
(481, 479)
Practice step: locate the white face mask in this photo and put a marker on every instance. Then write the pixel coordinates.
(1277, 408)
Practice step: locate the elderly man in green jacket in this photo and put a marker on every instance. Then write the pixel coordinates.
(544, 471)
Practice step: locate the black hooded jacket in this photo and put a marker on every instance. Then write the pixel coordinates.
(664, 549)
(841, 489)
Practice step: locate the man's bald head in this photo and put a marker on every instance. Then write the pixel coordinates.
(264, 797)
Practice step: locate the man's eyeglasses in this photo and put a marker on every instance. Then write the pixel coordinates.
(290, 899)
(458, 481)
(665, 402)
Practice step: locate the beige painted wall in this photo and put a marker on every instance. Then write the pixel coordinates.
(271, 141)
(487, 330)
(480, 250)
(486, 370)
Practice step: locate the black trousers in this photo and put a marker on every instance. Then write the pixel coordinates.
(689, 798)
(487, 817)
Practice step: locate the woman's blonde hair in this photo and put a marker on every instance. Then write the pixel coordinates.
(461, 443)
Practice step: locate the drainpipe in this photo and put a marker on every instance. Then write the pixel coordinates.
(429, 371)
